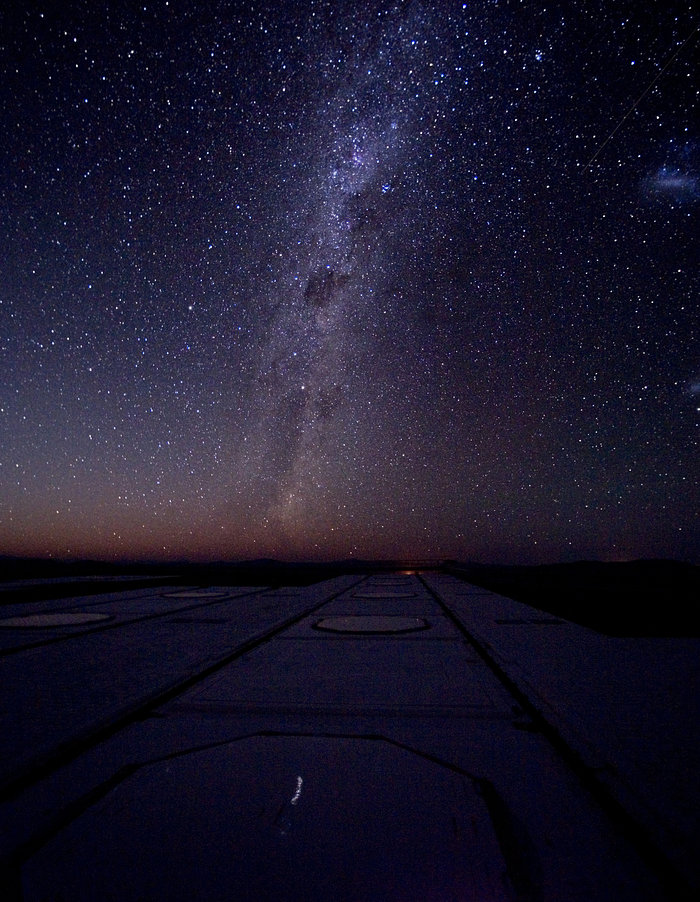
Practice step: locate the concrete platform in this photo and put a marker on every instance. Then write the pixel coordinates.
(629, 707)
(438, 742)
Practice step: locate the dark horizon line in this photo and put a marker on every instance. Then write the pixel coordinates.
(398, 562)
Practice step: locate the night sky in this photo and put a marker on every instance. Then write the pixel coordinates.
(327, 279)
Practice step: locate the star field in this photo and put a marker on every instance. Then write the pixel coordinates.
(326, 279)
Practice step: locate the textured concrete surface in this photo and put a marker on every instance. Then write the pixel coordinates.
(213, 742)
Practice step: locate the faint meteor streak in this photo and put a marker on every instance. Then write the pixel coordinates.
(641, 97)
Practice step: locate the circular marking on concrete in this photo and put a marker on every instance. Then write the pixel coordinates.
(47, 621)
(384, 594)
(197, 593)
(372, 625)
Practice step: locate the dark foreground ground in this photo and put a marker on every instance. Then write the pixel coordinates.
(351, 731)
(636, 598)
